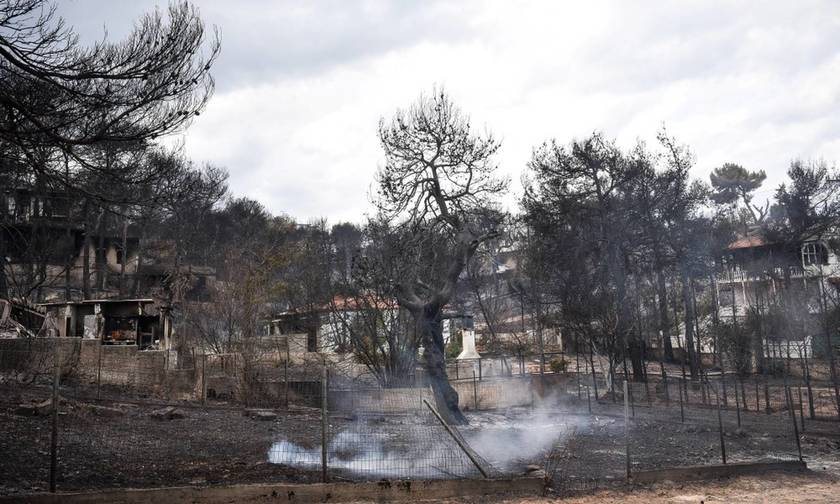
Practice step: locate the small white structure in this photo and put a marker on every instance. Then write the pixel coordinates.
(468, 351)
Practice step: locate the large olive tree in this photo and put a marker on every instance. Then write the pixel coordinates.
(438, 188)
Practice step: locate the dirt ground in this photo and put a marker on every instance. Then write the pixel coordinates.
(96, 450)
(775, 488)
(120, 445)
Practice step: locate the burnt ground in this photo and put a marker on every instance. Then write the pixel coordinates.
(590, 449)
(123, 446)
(208, 446)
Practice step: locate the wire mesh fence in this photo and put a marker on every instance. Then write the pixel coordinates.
(370, 434)
(277, 419)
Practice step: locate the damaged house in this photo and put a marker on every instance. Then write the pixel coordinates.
(140, 322)
(760, 269)
(48, 252)
(327, 327)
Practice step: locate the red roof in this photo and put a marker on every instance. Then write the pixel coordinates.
(352, 304)
(748, 242)
(341, 303)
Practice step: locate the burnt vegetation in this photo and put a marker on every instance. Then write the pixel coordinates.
(620, 251)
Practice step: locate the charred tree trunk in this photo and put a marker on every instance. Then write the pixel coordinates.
(124, 247)
(87, 244)
(717, 351)
(68, 262)
(640, 330)
(664, 323)
(429, 325)
(626, 337)
(4, 285)
(68, 235)
(427, 316)
(637, 360)
(689, 324)
(99, 256)
(698, 334)
(135, 289)
(538, 328)
(758, 347)
(632, 343)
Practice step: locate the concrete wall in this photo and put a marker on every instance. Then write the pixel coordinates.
(144, 372)
(491, 393)
(156, 373)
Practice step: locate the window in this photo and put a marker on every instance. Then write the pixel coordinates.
(814, 254)
(726, 295)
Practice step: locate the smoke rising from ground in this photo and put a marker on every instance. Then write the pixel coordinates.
(416, 446)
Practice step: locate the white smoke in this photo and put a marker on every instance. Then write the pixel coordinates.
(509, 440)
(364, 453)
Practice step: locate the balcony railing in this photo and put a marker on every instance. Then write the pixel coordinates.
(738, 276)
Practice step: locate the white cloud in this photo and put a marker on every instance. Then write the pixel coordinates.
(302, 85)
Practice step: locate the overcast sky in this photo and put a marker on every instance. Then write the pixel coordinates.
(301, 85)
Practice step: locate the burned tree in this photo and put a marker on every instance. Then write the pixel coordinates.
(77, 103)
(90, 105)
(581, 197)
(437, 184)
(363, 314)
(55, 91)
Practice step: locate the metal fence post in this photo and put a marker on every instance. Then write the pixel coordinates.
(54, 429)
(627, 429)
(455, 437)
(204, 378)
(807, 377)
(720, 428)
(286, 374)
(286, 382)
(475, 393)
(324, 424)
(682, 411)
(99, 370)
(801, 410)
(789, 399)
(766, 396)
(723, 386)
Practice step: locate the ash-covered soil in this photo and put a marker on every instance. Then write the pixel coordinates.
(132, 449)
(583, 448)
(121, 445)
